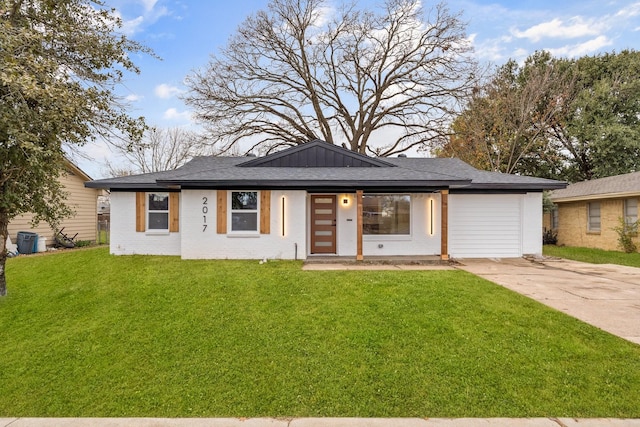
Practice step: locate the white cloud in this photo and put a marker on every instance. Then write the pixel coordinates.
(629, 11)
(174, 114)
(148, 16)
(582, 49)
(166, 91)
(556, 28)
(489, 49)
(323, 16)
(148, 4)
(132, 26)
(520, 54)
(133, 97)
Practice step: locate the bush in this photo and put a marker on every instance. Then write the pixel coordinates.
(549, 237)
(626, 232)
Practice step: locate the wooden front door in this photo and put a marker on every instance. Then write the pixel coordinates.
(323, 224)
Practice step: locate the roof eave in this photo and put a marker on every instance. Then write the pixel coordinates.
(519, 186)
(124, 186)
(313, 185)
(619, 195)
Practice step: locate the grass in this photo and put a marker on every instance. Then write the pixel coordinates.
(84, 334)
(594, 256)
(103, 237)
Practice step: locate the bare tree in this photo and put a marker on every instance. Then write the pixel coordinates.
(505, 127)
(302, 70)
(159, 149)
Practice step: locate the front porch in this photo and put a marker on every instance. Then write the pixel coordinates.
(345, 227)
(377, 260)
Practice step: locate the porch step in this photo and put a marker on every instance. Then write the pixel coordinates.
(379, 260)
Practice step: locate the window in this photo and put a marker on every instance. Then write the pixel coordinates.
(631, 211)
(386, 214)
(554, 218)
(158, 211)
(244, 211)
(593, 209)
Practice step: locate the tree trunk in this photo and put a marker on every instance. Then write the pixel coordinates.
(4, 225)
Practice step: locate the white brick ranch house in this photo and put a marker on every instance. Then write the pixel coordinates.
(320, 199)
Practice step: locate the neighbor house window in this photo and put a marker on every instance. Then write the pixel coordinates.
(554, 218)
(593, 209)
(631, 211)
(244, 211)
(158, 211)
(386, 214)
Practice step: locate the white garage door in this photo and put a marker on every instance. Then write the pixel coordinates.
(485, 226)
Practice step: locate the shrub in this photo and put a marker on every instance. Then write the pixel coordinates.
(626, 232)
(549, 237)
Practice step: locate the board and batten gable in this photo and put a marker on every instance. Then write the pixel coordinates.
(83, 201)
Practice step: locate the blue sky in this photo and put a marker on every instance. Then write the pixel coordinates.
(185, 32)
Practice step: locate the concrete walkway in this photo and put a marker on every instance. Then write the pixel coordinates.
(604, 295)
(317, 422)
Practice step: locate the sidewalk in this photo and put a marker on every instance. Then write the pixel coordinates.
(317, 422)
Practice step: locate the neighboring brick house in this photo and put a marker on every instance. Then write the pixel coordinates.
(587, 212)
(82, 200)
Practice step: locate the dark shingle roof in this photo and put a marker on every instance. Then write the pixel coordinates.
(390, 174)
(613, 186)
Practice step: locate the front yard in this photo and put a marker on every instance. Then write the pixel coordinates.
(593, 256)
(88, 334)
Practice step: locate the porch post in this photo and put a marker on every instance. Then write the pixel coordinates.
(359, 256)
(444, 225)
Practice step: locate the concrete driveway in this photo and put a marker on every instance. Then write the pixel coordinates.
(604, 295)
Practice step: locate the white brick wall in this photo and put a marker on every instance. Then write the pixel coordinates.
(479, 226)
(420, 241)
(532, 224)
(201, 243)
(124, 240)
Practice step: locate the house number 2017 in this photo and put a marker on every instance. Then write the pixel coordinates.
(205, 211)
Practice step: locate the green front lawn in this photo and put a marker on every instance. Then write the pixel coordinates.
(88, 334)
(594, 256)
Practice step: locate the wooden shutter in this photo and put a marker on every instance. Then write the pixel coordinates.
(265, 212)
(140, 211)
(221, 216)
(174, 212)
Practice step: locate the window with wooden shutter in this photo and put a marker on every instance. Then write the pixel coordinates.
(157, 211)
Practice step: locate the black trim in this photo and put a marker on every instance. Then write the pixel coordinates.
(145, 190)
(494, 191)
(514, 186)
